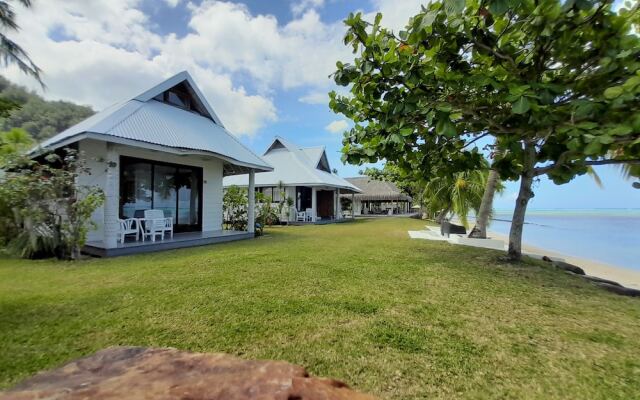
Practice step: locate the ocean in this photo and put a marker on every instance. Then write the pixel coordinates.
(611, 236)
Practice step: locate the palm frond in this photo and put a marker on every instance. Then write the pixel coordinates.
(12, 53)
(596, 178)
(7, 16)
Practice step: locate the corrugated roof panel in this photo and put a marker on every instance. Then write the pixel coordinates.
(165, 125)
(162, 124)
(293, 167)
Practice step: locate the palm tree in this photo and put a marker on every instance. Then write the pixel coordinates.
(15, 141)
(459, 193)
(10, 51)
(483, 215)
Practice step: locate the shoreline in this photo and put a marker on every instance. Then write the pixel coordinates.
(624, 276)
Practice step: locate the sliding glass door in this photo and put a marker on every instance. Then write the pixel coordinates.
(174, 189)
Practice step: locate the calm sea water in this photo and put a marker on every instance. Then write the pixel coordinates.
(611, 236)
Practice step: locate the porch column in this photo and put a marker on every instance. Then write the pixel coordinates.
(314, 204)
(353, 205)
(335, 203)
(112, 201)
(251, 210)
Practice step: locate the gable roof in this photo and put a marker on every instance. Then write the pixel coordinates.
(145, 122)
(181, 77)
(377, 190)
(294, 166)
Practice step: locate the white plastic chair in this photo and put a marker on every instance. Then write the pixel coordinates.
(127, 228)
(301, 216)
(155, 223)
(309, 214)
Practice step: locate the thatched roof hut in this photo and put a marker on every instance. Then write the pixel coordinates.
(374, 190)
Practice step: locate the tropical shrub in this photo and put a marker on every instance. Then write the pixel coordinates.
(234, 207)
(43, 211)
(267, 214)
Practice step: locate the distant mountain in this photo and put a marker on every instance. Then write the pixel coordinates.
(41, 118)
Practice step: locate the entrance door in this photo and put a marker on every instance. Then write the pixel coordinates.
(325, 204)
(174, 189)
(303, 198)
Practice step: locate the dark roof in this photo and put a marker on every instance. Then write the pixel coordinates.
(377, 190)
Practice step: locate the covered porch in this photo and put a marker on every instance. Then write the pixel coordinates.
(319, 205)
(183, 192)
(179, 240)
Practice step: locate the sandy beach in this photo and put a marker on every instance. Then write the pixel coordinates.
(624, 276)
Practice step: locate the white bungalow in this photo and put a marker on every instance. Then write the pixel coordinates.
(305, 175)
(164, 150)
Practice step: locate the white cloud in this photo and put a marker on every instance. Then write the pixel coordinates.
(110, 52)
(337, 126)
(316, 97)
(394, 16)
(172, 3)
(300, 6)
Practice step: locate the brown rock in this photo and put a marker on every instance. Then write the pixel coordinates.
(152, 373)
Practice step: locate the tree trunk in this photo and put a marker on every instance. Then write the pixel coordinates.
(482, 220)
(524, 195)
(442, 215)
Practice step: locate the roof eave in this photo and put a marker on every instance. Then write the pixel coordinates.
(147, 145)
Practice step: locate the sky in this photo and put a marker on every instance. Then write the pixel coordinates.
(264, 66)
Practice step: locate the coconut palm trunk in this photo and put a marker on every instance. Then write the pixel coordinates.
(482, 219)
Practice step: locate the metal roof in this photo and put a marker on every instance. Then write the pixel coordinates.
(293, 166)
(143, 120)
(373, 190)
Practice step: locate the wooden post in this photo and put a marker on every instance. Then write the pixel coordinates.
(251, 210)
(353, 205)
(314, 204)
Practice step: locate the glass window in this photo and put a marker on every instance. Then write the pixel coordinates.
(135, 189)
(174, 189)
(164, 190)
(277, 194)
(188, 196)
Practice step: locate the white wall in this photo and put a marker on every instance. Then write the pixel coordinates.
(95, 152)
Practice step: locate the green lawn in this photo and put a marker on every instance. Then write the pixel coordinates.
(360, 302)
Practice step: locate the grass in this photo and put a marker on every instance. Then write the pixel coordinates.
(360, 302)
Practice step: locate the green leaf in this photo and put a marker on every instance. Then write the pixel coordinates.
(446, 107)
(568, 5)
(499, 7)
(444, 127)
(632, 82)
(620, 130)
(500, 24)
(587, 125)
(367, 67)
(427, 20)
(613, 92)
(377, 19)
(518, 90)
(521, 106)
(605, 139)
(406, 131)
(454, 7)
(593, 148)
